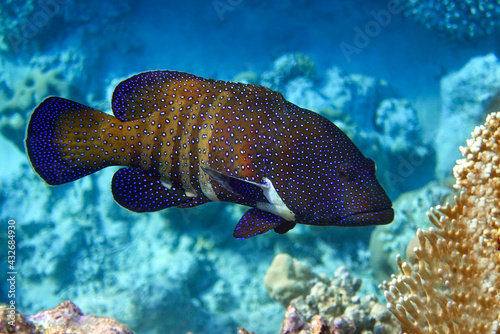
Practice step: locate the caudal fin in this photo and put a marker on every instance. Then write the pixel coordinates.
(63, 140)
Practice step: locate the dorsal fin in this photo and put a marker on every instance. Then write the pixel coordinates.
(149, 92)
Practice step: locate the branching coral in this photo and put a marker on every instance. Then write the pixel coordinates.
(454, 286)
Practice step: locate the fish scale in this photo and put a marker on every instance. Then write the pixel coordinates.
(185, 140)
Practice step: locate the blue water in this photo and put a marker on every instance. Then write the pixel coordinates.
(181, 270)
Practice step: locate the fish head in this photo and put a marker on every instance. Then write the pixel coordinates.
(328, 181)
(348, 195)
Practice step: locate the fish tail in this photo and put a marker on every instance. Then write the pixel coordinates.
(66, 140)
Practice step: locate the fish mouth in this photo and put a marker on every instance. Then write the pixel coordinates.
(377, 217)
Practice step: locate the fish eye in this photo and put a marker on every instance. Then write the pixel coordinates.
(346, 176)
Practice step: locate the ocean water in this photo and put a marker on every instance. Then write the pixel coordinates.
(406, 80)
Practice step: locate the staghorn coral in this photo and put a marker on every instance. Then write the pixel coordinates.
(453, 287)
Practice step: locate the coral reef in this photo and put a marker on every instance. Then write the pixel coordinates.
(318, 300)
(410, 209)
(356, 95)
(467, 95)
(454, 285)
(397, 123)
(459, 19)
(12, 321)
(75, 243)
(294, 75)
(295, 323)
(14, 24)
(287, 67)
(302, 91)
(33, 25)
(286, 279)
(409, 161)
(65, 318)
(23, 86)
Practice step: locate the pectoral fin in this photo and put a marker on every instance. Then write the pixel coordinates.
(250, 190)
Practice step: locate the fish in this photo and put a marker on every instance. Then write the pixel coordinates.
(184, 140)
